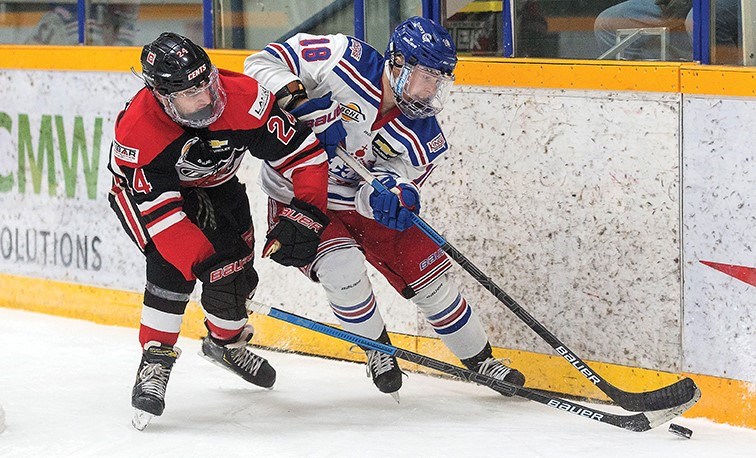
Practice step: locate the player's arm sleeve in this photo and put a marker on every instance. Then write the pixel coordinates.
(155, 189)
(304, 57)
(291, 150)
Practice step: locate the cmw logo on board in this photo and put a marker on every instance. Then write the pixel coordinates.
(59, 150)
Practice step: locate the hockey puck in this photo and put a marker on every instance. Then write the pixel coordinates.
(680, 430)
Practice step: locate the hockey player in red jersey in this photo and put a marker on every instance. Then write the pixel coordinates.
(177, 148)
(381, 109)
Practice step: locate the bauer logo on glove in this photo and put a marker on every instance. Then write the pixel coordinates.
(294, 240)
(299, 217)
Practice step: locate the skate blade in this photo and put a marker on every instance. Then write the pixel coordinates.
(141, 419)
(395, 395)
(227, 369)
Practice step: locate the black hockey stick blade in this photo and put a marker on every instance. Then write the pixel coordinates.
(637, 422)
(666, 397)
(678, 394)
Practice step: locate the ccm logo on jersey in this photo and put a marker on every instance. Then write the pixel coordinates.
(125, 153)
(230, 269)
(260, 104)
(306, 221)
(436, 143)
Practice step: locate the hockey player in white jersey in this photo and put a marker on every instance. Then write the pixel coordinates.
(381, 110)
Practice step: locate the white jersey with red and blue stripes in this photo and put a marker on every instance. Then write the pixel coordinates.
(351, 70)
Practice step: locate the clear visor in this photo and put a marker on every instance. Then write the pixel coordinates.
(421, 91)
(197, 106)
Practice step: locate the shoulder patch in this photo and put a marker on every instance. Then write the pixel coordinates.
(436, 143)
(355, 49)
(125, 153)
(260, 105)
(351, 112)
(383, 149)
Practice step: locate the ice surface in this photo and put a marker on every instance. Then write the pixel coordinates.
(65, 386)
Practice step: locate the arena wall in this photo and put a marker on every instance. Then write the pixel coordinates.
(599, 196)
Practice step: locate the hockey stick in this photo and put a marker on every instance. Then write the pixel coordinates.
(638, 422)
(678, 393)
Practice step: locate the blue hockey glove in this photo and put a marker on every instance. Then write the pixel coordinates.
(394, 211)
(323, 116)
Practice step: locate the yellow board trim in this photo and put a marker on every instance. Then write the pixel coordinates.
(687, 78)
(724, 400)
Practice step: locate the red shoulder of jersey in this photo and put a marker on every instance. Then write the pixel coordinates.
(248, 104)
(143, 130)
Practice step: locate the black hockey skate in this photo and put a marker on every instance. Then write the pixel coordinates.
(148, 395)
(384, 370)
(237, 357)
(484, 363)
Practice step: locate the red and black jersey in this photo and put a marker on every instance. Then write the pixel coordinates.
(152, 158)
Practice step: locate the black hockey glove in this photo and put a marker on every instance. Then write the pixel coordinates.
(294, 240)
(228, 279)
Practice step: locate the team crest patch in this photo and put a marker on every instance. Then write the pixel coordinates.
(436, 143)
(355, 50)
(260, 104)
(351, 112)
(125, 153)
(383, 149)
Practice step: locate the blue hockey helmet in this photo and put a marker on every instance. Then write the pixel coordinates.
(422, 41)
(420, 59)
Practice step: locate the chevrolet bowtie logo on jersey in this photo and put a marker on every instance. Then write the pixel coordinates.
(383, 149)
(219, 145)
(351, 112)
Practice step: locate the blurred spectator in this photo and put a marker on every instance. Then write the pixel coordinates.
(108, 25)
(677, 16)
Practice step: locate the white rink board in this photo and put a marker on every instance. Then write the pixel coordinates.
(569, 200)
(107, 257)
(719, 216)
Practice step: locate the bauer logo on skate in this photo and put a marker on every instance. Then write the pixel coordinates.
(578, 364)
(229, 269)
(557, 404)
(306, 221)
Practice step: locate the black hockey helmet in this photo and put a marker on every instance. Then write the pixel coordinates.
(183, 79)
(173, 63)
